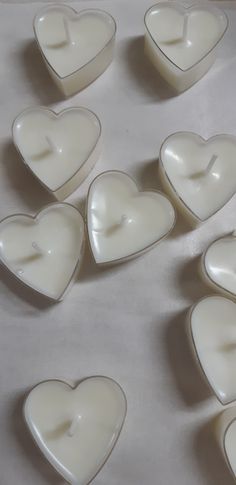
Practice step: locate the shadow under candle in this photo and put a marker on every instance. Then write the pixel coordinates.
(189, 379)
(22, 180)
(210, 456)
(37, 74)
(144, 73)
(191, 282)
(23, 292)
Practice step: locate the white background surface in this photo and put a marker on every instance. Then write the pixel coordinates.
(126, 322)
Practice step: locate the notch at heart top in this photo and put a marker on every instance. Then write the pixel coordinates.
(213, 333)
(200, 174)
(76, 428)
(60, 149)
(44, 252)
(219, 264)
(185, 35)
(70, 40)
(123, 222)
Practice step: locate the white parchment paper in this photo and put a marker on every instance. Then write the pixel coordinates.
(126, 322)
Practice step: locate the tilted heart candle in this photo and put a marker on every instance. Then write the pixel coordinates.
(199, 174)
(44, 252)
(60, 149)
(212, 325)
(77, 47)
(226, 434)
(123, 222)
(76, 428)
(181, 41)
(219, 264)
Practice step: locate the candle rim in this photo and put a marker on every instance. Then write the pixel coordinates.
(187, 9)
(139, 190)
(77, 266)
(74, 386)
(74, 12)
(57, 116)
(195, 217)
(190, 312)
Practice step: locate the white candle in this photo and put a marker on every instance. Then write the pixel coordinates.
(212, 325)
(123, 222)
(44, 252)
(77, 47)
(76, 428)
(219, 265)
(181, 41)
(60, 149)
(199, 175)
(225, 428)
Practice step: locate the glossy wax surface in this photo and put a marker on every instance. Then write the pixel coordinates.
(69, 40)
(184, 44)
(213, 324)
(54, 146)
(122, 220)
(76, 428)
(43, 252)
(185, 158)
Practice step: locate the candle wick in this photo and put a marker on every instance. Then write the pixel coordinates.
(37, 247)
(125, 220)
(206, 171)
(51, 144)
(73, 426)
(211, 164)
(185, 28)
(67, 30)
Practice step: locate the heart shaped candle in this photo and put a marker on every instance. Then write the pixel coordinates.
(44, 252)
(200, 175)
(60, 149)
(76, 428)
(123, 222)
(219, 264)
(212, 326)
(77, 47)
(226, 436)
(181, 41)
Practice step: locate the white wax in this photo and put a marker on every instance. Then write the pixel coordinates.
(76, 429)
(123, 221)
(44, 253)
(200, 173)
(73, 42)
(60, 149)
(213, 330)
(180, 39)
(219, 263)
